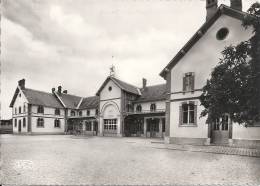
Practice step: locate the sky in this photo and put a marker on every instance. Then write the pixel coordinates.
(73, 43)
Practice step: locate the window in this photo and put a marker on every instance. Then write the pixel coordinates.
(88, 125)
(24, 108)
(163, 124)
(222, 33)
(188, 82)
(221, 123)
(57, 111)
(72, 113)
(110, 124)
(15, 123)
(57, 123)
(40, 109)
(153, 107)
(188, 113)
(138, 108)
(20, 110)
(20, 95)
(88, 112)
(96, 112)
(129, 108)
(15, 110)
(40, 122)
(24, 122)
(80, 113)
(109, 88)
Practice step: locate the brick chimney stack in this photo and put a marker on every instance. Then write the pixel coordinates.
(53, 90)
(59, 89)
(211, 7)
(144, 82)
(236, 4)
(21, 84)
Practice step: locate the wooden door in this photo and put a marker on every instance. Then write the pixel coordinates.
(220, 131)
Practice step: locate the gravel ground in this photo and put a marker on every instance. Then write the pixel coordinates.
(61, 159)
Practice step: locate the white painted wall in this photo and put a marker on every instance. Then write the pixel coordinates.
(114, 93)
(20, 102)
(201, 59)
(249, 133)
(199, 131)
(49, 117)
(205, 54)
(160, 105)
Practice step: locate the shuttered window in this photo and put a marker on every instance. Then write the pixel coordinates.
(188, 114)
(188, 81)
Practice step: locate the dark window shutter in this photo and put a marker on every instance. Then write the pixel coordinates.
(184, 84)
(180, 115)
(192, 82)
(195, 114)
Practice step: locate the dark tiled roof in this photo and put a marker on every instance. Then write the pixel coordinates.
(126, 86)
(202, 30)
(37, 97)
(153, 93)
(89, 102)
(69, 100)
(121, 84)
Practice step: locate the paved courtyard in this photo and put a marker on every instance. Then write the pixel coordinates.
(74, 160)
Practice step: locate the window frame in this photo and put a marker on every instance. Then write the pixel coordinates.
(24, 122)
(57, 111)
(153, 107)
(88, 112)
(189, 110)
(40, 109)
(74, 113)
(40, 123)
(188, 82)
(57, 123)
(139, 108)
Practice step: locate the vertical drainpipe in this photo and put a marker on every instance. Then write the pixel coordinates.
(29, 118)
(66, 120)
(122, 112)
(168, 107)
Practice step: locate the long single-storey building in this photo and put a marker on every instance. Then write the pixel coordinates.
(170, 111)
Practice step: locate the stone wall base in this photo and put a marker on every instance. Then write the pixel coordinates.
(244, 143)
(187, 141)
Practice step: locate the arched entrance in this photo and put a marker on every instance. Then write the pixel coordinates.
(111, 119)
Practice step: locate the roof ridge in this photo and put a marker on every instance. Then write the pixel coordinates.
(37, 90)
(125, 82)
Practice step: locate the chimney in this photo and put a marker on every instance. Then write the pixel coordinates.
(21, 84)
(144, 82)
(53, 90)
(59, 89)
(65, 91)
(211, 7)
(236, 4)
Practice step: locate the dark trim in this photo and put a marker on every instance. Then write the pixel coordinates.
(46, 117)
(110, 99)
(149, 100)
(185, 99)
(184, 92)
(42, 114)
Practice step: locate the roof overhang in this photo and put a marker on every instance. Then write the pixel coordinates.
(223, 9)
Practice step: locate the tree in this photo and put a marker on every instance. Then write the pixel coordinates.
(234, 86)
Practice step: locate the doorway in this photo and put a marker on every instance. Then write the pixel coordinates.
(153, 126)
(220, 130)
(19, 126)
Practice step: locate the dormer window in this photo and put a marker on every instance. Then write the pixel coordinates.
(153, 107)
(188, 81)
(40, 109)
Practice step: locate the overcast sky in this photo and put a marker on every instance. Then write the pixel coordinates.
(71, 42)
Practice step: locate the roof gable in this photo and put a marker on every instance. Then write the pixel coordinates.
(121, 84)
(199, 34)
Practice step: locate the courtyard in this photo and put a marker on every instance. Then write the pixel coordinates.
(72, 160)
